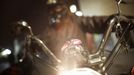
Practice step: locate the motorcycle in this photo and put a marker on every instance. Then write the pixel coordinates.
(98, 63)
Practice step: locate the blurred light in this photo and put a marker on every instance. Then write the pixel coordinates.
(24, 23)
(79, 13)
(51, 1)
(37, 55)
(6, 52)
(80, 71)
(73, 8)
(20, 60)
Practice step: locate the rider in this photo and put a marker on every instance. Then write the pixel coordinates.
(65, 28)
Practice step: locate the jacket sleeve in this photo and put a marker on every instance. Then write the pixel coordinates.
(95, 24)
(99, 24)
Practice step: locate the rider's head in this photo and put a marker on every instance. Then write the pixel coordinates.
(58, 10)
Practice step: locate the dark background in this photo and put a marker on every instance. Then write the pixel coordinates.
(32, 11)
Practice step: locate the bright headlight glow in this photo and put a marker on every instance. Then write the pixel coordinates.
(6, 52)
(80, 71)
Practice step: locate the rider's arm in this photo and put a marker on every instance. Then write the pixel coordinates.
(99, 24)
(95, 24)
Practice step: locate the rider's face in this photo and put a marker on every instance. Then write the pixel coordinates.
(57, 15)
(56, 10)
